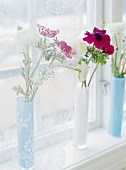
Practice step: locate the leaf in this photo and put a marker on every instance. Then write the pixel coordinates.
(18, 89)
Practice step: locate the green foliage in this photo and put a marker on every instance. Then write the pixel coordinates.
(94, 55)
(118, 68)
(18, 89)
(32, 77)
(99, 57)
(85, 59)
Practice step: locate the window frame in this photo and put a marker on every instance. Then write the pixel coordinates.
(111, 8)
(99, 15)
(12, 72)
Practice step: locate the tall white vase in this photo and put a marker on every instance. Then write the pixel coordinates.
(81, 100)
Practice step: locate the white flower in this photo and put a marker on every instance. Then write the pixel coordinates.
(118, 28)
(83, 67)
(79, 47)
(27, 37)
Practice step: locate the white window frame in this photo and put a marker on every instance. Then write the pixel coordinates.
(101, 9)
(111, 9)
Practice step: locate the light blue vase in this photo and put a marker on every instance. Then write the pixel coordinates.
(116, 107)
(25, 122)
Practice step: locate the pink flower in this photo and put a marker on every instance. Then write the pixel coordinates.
(108, 49)
(47, 32)
(98, 37)
(66, 49)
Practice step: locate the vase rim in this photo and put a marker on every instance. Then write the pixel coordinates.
(118, 77)
(22, 99)
(79, 85)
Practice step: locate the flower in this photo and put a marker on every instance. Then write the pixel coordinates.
(98, 37)
(108, 49)
(27, 37)
(116, 28)
(65, 48)
(97, 53)
(81, 46)
(83, 67)
(47, 32)
(117, 32)
(48, 49)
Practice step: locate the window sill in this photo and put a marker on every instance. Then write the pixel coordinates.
(104, 152)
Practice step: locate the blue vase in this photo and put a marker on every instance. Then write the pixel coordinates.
(25, 123)
(116, 107)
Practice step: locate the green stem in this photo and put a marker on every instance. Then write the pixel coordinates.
(51, 62)
(89, 59)
(82, 83)
(36, 66)
(123, 67)
(34, 92)
(85, 83)
(93, 47)
(75, 69)
(28, 74)
(93, 73)
(115, 58)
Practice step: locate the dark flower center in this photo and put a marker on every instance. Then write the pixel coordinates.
(98, 36)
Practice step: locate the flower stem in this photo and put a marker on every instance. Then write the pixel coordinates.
(27, 67)
(85, 83)
(34, 92)
(93, 73)
(93, 47)
(75, 69)
(123, 67)
(36, 66)
(51, 62)
(91, 53)
(89, 59)
(115, 58)
(82, 83)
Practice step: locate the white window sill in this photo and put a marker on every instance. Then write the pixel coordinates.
(104, 152)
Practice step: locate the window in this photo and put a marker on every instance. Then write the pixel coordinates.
(61, 87)
(54, 101)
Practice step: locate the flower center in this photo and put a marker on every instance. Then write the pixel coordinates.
(98, 36)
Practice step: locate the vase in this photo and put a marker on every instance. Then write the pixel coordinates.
(116, 106)
(25, 124)
(81, 98)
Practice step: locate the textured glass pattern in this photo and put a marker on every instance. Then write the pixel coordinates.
(12, 14)
(124, 11)
(56, 94)
(67, 16)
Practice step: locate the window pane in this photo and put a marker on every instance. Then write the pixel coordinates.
(12, 14)
(124, 11)
(67, 16)
(57, 93)
(57, 97)
(70, 17)
(8, 111)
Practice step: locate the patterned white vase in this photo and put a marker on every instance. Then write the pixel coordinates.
(81, 100)
(25, 123)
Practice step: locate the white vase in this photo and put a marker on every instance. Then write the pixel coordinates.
(81, 98)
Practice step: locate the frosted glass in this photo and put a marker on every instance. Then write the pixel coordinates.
(12, 14)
